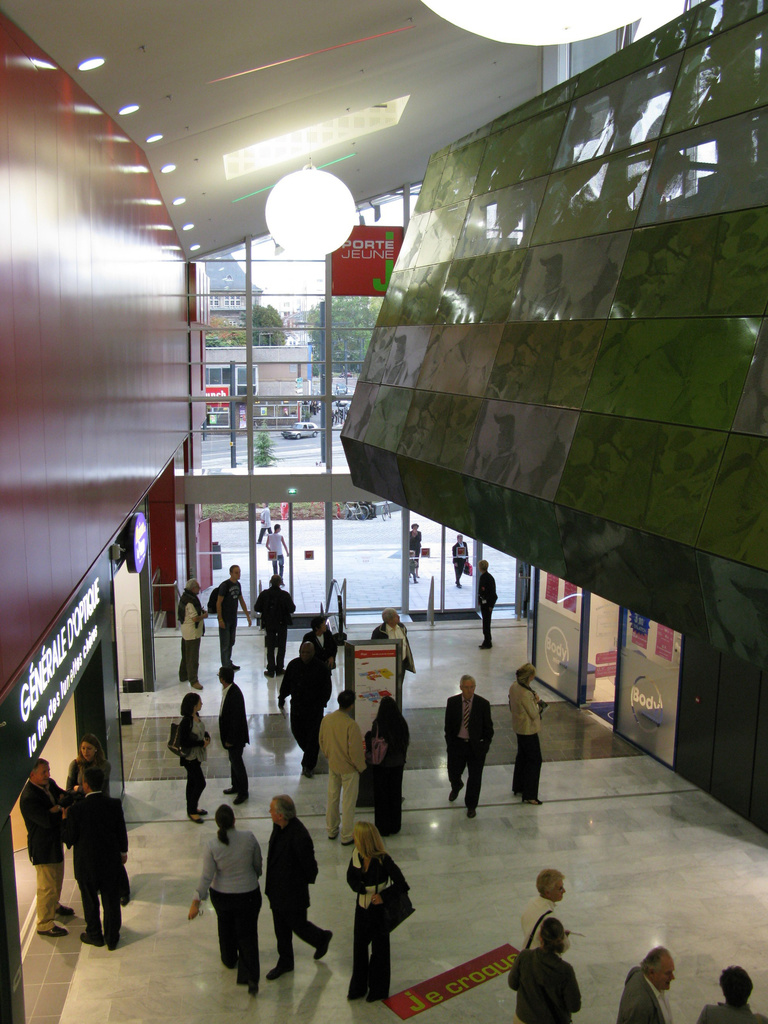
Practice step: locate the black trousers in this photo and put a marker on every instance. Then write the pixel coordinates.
(387, 798)
(109, 890)
(458, 568)
(525, 778)
(237, 770)
(275, 641)
(237, 915)
(461, 756)
(486, 611)
(370, 973)
(289, 923)
(195, 782)
(306, 732)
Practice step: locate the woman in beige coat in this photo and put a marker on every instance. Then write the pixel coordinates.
(526, 721)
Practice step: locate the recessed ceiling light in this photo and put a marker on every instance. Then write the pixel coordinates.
(168, 168)
(194, 248)
(179, 201)
(154, 138)
(90, 64)
(130, 109)
(187, 227)
(43, 64)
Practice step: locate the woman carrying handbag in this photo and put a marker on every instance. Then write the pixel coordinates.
(375, 877)
(386, 748)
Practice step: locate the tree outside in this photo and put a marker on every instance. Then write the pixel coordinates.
(263, 449)
(353, 318)
(267, 329)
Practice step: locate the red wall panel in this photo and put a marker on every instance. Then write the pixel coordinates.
(93, 339)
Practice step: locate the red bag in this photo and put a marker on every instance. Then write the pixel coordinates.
(467, 568)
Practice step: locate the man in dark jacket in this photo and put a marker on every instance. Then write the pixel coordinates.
(233, 730)
(486, 596)
(275, 606)
(307, 681)
(291, 868)
(322, 640)
(468, 735)
(95, 827)
(41, 810)
(646, 989)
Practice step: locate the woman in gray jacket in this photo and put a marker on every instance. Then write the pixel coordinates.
(546, 986)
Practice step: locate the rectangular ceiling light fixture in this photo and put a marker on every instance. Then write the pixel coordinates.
(315, 138)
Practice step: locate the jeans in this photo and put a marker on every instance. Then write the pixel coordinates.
(226, 643)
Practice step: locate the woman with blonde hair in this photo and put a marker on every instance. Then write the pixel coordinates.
(526, 721)
(372, 874)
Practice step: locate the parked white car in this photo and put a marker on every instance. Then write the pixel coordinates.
(300, 430)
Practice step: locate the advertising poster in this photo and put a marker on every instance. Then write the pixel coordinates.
(605, 662)
(570, 592)
(639, 626)
(375, 676)
(665, 642)
(552, 588)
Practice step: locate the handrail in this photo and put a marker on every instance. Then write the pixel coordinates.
(431, 603)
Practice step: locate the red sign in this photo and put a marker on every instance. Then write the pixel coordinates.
(452, 983)
(363, 265)
(665, 642)
(605, 662)
(569, 602)
(553, 587)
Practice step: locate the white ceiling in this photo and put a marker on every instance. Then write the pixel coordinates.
(165, 54)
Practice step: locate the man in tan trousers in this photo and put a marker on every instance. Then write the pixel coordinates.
(342, 743)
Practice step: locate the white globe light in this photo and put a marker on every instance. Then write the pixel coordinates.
(541, 23)
(310, 213)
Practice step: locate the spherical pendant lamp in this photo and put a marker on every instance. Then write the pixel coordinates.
(310, 213)
(541, 23)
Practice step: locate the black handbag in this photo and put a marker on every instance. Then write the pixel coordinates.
(397, 906)
(173, 739)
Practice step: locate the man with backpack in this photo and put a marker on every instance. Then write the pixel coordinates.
(275, 606)
(228, 595)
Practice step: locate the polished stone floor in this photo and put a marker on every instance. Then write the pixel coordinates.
(648, 859)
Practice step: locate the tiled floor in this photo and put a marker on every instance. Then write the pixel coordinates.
(647, 857)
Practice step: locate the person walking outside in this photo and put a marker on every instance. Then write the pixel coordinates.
(275, 547)
(460, 553)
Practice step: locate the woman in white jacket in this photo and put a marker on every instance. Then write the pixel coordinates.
(526, 721)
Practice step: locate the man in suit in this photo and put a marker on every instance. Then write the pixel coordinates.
(41, 809)
(275, 606)
(646, 988)
(307, 681)
(233, 730)
(95, 827)
(291, 869)
(468, 735)
(487, 597)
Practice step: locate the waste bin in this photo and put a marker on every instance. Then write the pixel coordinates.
(216, 557)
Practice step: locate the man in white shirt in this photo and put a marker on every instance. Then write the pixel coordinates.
(275, 545)
(266, 523)
(645, 999)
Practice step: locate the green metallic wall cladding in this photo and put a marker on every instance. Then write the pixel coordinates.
(571, 362)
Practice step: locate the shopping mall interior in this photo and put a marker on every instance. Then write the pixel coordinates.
(559, 360)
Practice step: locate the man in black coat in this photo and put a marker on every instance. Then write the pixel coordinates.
(275, 606)
(233, 730)
(468, 735)
(322, 640)
(95, 827)
(41, 809)
(291, 869)
(307, 681)
(487, 597)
